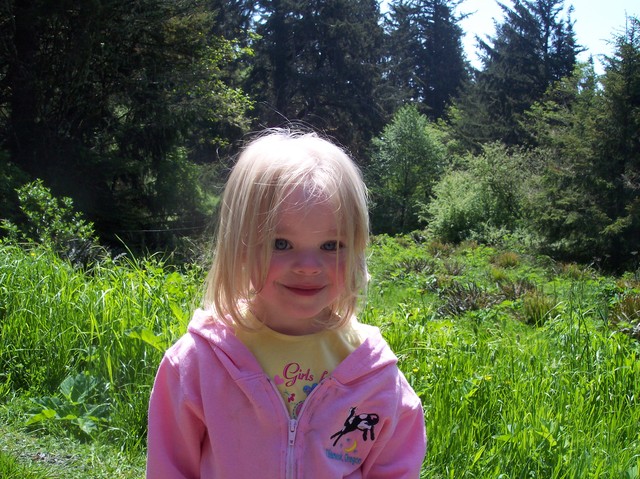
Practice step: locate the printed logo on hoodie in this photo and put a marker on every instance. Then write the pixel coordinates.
(363, 422)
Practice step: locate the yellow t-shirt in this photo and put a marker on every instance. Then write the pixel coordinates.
(296, 364)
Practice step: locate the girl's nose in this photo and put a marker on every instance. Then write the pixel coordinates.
(307, 263)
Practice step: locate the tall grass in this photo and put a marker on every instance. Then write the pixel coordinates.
(10, 468)
(504, 399)
(111, 323)
(520, 374)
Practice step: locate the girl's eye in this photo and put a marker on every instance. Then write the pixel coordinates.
(331, 246)
(280, 244)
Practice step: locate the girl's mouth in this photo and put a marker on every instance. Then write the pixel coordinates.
(304, 290)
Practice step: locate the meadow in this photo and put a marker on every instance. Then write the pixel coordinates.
(527, 368)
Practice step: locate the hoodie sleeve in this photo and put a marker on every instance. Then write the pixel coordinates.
(176, 430)
(402, 454)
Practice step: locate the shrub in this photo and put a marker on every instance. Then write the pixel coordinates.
(437, 248)
(513, 290)
(508, 259)
(537, 307)
(487, 194)
(53, 223)
(574, 271)
(461, 298)
(625, 315)
(455, 209)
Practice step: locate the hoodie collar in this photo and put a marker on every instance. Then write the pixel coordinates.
(371, 355)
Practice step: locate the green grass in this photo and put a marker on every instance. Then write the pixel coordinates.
(51, 452)
(514, 386)
(523, 365)
(111, 324)
(11, 468)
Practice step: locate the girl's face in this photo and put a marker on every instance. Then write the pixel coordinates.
(306, 272)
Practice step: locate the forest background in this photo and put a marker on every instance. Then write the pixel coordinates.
(504, 199)
(134, 111)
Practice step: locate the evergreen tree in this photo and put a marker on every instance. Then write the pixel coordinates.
(318, 63)
(619, 145)
(588, 206)
(400, 82)
(102, 96)
(568, 213)
(424, 56)
(233, 18)
(532, 48)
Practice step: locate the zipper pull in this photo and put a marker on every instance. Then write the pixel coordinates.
(293, 424)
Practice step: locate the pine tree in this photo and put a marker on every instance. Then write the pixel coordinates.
(568, 212)
(588, 206)
(318, 63)
(532, 48)
(619, 145)
(102, 97)
(425, 59)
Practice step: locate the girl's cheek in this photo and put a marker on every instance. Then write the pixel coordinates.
(258, 276)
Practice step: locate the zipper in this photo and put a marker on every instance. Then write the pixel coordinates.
(292, 427)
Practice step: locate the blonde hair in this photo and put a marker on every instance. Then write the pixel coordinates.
(266, 172)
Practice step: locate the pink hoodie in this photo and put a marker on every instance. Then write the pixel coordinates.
(214, 414)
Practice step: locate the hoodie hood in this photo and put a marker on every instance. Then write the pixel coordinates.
(373, 354)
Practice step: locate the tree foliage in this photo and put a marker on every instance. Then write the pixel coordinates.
(563, 125)
(407, 160)
(532, 48)
(619, 144)
(128, 108)
(485, 194)
(589, 199)
(425, 62)
(99, 94)
(318, 63)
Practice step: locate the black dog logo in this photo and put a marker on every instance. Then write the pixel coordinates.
(355, 422)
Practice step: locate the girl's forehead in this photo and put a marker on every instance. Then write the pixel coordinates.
(301, 199)
(299, 207)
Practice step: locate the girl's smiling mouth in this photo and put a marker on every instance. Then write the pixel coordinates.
(304, 290)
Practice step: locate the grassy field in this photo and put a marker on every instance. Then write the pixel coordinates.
(526, 368)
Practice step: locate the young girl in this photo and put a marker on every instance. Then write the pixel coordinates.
(275, 377)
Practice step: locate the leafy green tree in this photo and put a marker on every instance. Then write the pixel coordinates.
(408, 158)
(318, 63)
(588, 205)
(532, 48)
(424, 56)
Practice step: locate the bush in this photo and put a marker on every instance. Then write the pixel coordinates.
(537, 308)
(488, 194)
(625, 314)
(52, 223)
(456, 208)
